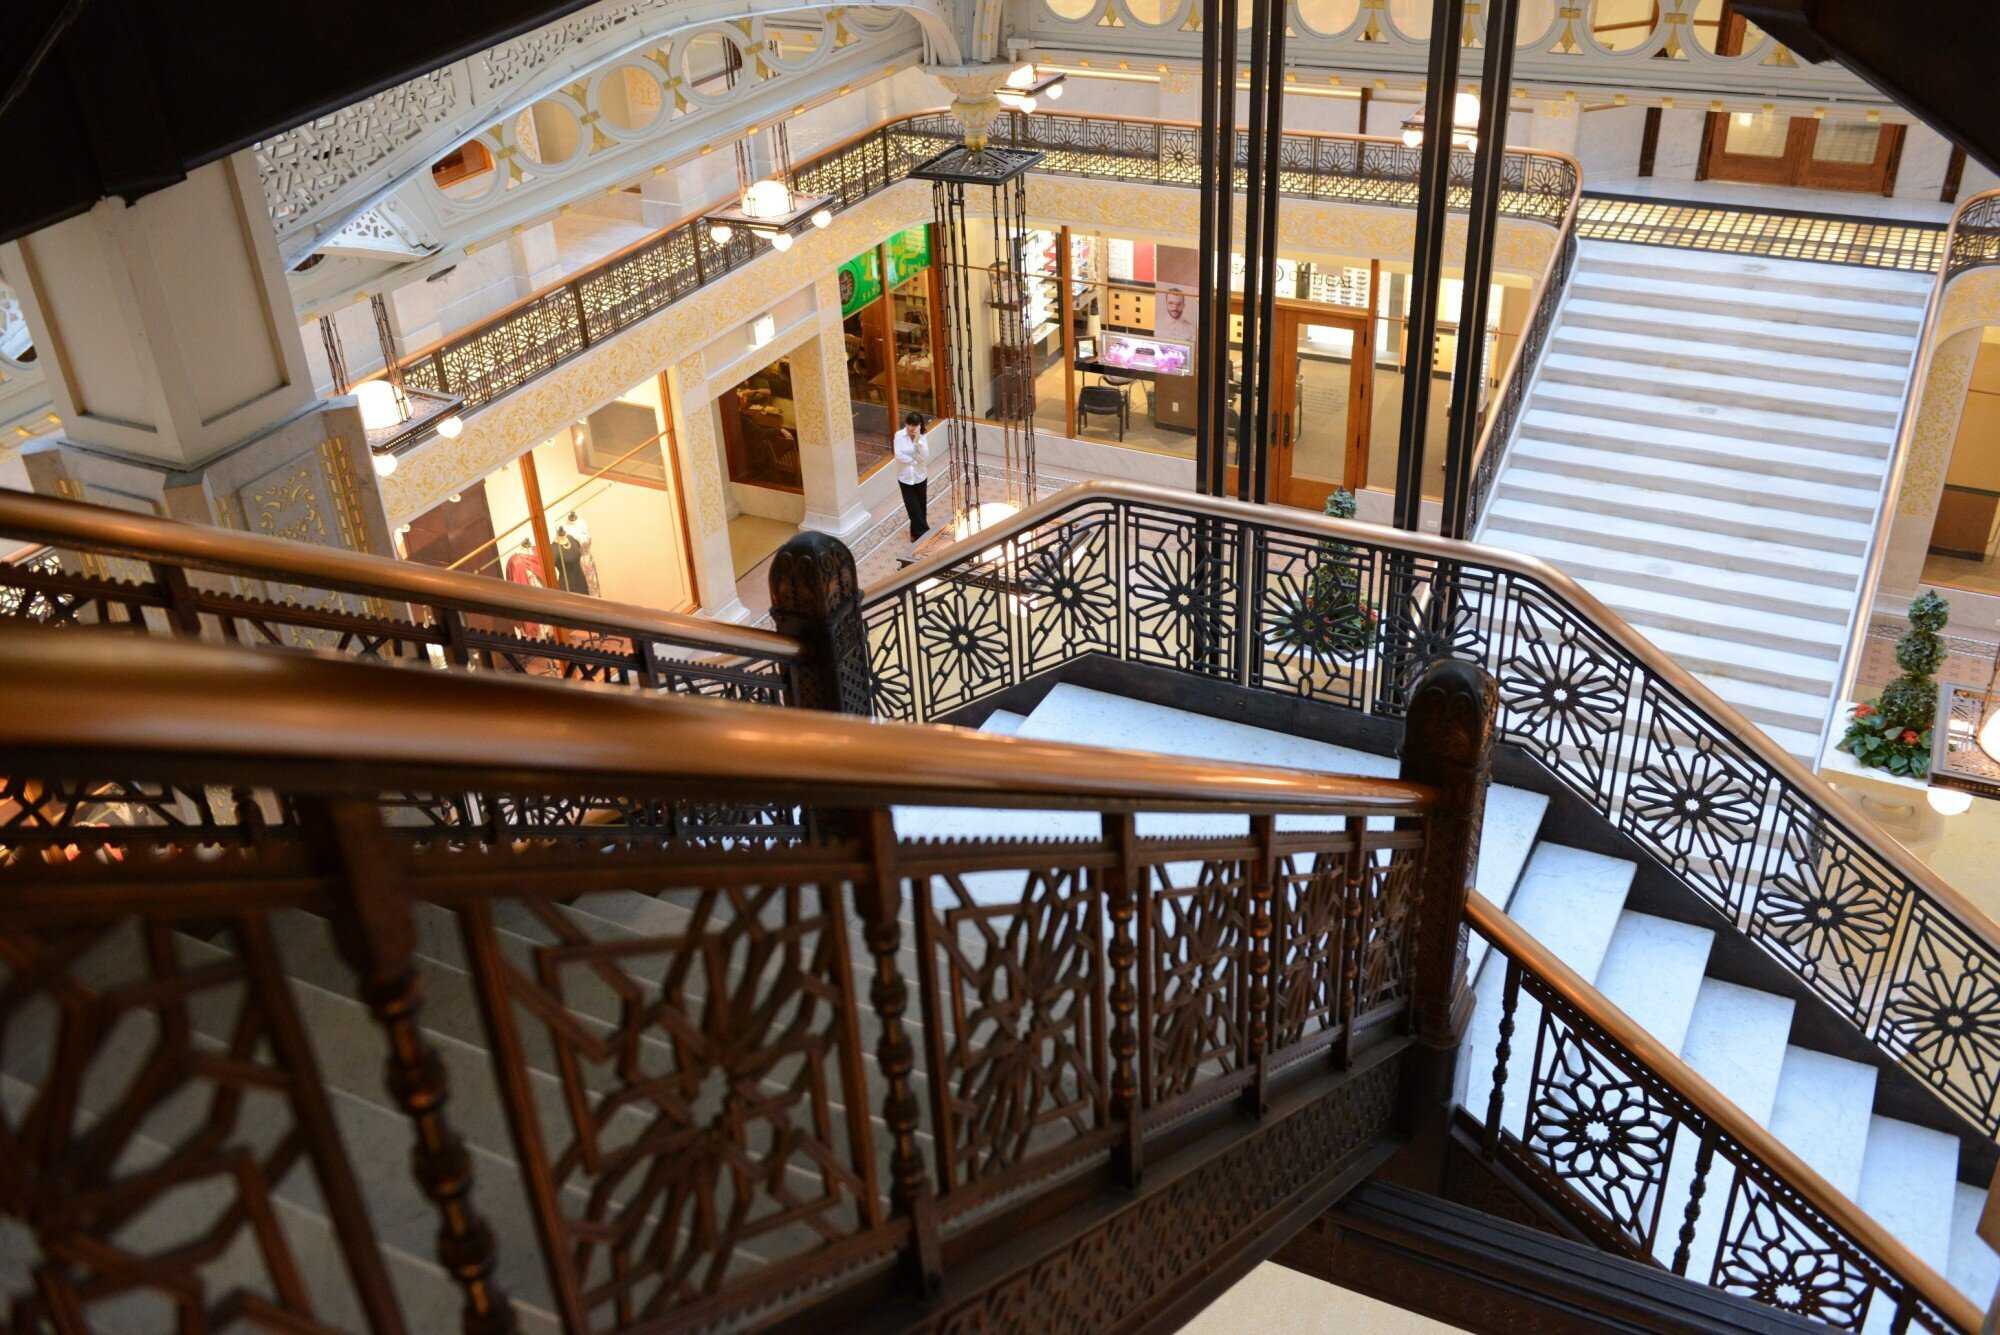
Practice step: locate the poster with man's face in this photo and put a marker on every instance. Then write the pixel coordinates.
(1177, 278)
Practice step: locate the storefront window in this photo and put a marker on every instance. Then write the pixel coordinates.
(595, 510)
(760, 429)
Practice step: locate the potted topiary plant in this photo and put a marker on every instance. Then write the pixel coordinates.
(1893, 731)
(1331, 616)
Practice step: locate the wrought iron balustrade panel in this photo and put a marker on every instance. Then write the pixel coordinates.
(1350, 622)
(732, 1074)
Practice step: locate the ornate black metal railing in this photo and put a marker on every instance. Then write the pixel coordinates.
(1346, 614)
(733, 1081)
(1621, 1139)
(1975, 235)
(535, 336)
(104, 567)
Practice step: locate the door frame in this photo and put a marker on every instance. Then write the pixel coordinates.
(1291, 315)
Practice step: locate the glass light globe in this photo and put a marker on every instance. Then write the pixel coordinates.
(1948, 801)
(1022, 77)
(768, 199)
(1028, 105)
(823, 218)
(377, 401)
(1989, 734)
(720, 233)
(385, 464)
(782, 241)
(1465, 111)
(451, 426)
(1413, 136)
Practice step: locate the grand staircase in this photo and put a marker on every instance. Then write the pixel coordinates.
(1655, 969)
(1704, 449)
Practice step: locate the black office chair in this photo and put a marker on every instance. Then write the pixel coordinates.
(1103, 401)
(1123, 384)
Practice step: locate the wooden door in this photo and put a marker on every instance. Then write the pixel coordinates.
(1323, 372)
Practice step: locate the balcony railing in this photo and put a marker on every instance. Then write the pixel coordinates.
(821, 1072)
(540, 333)
(1346, 614)
(1342, 614)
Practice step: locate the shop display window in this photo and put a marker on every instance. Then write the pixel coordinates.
(760, 429)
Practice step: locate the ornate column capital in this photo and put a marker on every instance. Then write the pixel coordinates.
(974, 90)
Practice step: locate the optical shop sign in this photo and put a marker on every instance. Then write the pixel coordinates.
(907, 253)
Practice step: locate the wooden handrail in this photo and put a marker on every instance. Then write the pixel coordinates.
(53, 522)
(75, 699)
(1666, 1065)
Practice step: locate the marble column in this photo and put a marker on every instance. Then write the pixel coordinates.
(174, 358)
(826, 423)
(698, 449)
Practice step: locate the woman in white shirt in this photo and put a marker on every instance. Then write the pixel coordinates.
(913, 458)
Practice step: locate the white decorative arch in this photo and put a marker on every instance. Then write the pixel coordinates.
(320, 175)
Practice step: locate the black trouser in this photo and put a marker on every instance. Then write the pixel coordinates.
(913, 502)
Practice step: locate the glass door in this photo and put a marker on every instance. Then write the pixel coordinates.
(1323, 363)
(1325, 388)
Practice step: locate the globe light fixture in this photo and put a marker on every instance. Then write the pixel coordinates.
(1948, 801)
(781, 241)
(385, 465)
(769, 206)
(823, 218)
(720, 233)
(1464, 124)
(451, 426)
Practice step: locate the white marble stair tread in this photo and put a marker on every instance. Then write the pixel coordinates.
(1507, 838)
(1701, 480)
(1778, 366)
(1003, 721)
(1873, 407)
(1822, 1112)
(1862, 310)
(1736, 1040)
(1653, 972)
(1752, 424)
(1648, 608)
(1760, 556)
(1614, 565)
(1974, 1269)
(1888, 286)
(1570, 900)
(1547, 420)
(1743, 518)
(1891, 348)
(1907, 1176)
(1712, 655)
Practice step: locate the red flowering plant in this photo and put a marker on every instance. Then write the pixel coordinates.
(1893, 731)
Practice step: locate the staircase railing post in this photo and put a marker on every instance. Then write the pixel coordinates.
(1447, 746)
(816, 599)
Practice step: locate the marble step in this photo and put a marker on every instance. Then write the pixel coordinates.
(1702, 482)
(1973, 1269)
(1829, 468)
(1725, 391)
(1690, 578)
(1738, 330)
(1822, 1112)
(1004, 722)
(1571, 901)
(1762, 274)
(1718, 519)
(1770, 366)
(1652, 609)
(1909, 1175)
(1630, 411)
(1775, 559)
(1859, 312)
(1653, 971)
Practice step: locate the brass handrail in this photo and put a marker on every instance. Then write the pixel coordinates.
(54, 522)
(1892, 481)
(1606, 622)
(75, 698)
(1666, 1065)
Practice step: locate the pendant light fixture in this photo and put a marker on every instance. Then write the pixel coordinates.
(768, 206)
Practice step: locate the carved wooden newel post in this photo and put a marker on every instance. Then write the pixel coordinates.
(1448, 746)
(816, 599)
